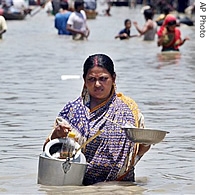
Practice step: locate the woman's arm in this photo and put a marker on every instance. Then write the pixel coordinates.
(160, 41)
(181, 42)
(60, 129)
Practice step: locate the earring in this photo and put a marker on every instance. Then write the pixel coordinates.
(85, 94)
(115, 86)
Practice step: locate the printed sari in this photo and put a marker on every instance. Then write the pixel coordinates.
(110, 155)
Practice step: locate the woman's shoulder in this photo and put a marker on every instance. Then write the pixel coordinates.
(133, 106)
(128, 100)
(76, 101)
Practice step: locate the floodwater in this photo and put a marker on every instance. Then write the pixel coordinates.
(33, 58)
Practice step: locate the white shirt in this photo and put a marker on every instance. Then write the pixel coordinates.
(3, 25)
(78, 20)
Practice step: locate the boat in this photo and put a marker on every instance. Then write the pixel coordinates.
(13, 16)
(18, 15)
(91, 14)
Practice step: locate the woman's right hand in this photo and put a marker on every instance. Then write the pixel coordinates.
(61, 128)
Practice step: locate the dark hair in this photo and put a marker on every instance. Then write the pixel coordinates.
(100, 60)
(64, 5)
(148, 14)
(171, 23)
(127, 20)
(78, 3)
(166, 10)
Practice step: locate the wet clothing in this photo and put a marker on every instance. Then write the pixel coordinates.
(126, 31)
(171, 39)
(109, 155)
(78, 21)
(61, 21)
(3, 26)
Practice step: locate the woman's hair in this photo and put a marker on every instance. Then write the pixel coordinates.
(169, 20)
(100, 60)
(171, 23)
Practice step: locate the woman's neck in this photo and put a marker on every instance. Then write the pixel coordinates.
(95, 102)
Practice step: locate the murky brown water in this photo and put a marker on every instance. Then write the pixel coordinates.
(32, 60)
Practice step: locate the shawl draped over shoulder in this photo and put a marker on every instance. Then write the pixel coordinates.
(110, 154)
(171, 39)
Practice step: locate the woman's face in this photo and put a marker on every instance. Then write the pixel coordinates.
(99, 83)
(171, 27)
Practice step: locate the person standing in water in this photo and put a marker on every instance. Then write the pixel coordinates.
(125, 33)
(61, 19)
(77, 22)
(3, 26)
(149, 29)
(111, 156)
(169, 35)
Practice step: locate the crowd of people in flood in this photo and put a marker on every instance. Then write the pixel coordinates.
(165, 27)
(71, 19)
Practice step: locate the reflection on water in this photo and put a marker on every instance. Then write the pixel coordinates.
(100, 188)
(33, 58)
(168, 58)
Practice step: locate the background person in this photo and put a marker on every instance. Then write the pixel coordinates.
(55, 6)
(125, 33)
(169, 36)
(61, 19)
(20, 6)
(149, 29)
(90, 4)
(104, 7)
(110, 156)
(77, 22)
(3, 26)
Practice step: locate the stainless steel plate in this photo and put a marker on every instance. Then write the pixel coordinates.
(144, 136)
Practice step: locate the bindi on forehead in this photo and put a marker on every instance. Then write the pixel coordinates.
(95, 61)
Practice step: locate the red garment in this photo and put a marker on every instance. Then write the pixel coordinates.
(1, 12)
(172, 39)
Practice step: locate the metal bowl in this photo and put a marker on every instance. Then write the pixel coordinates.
(144, 136)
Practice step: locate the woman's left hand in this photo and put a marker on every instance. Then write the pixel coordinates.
(143, 149)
